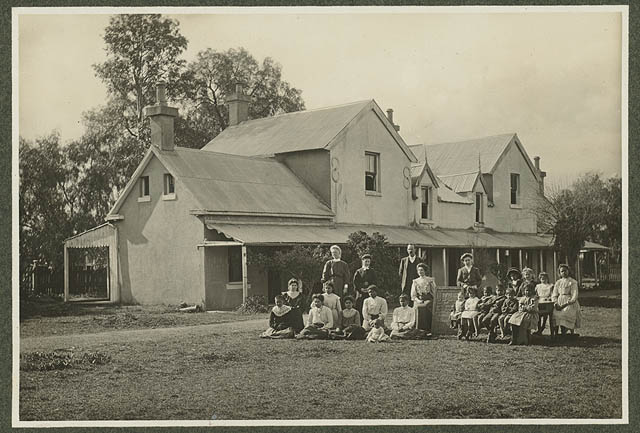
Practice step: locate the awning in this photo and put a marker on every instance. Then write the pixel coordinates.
(100, 236)
(592, 246)
(268, 234)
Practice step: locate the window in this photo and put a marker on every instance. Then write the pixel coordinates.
(479, 207)
(371, 179)
(144, 189)
(235, 264)
(426, 203)
(515, 188)
(169, 185)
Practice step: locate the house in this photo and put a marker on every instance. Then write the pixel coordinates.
(180, 230)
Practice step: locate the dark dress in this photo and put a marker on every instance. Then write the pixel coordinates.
(297, 306)
(468, 278)
(338, 272)
(362, 279)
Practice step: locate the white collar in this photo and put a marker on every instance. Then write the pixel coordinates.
(281, 311)
(412, 259)
(290, 294)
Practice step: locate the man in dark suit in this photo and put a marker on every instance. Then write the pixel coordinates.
(362, 279)
(408, 270)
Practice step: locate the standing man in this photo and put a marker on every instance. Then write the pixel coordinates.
(337, 271)
(408, 270)
(362, 279)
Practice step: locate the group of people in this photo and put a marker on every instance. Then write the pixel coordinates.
(350, 308)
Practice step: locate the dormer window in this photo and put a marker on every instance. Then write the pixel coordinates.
(144, 189)
(169, 187)
(426, 203)
(479, 208)
(371, 177)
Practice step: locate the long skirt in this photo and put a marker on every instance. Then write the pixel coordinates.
(410, 334)
(296, 319)
(424, 315)
(525, 320)
(569, 316)
(313, 333)
(272, 333)
(351, 332)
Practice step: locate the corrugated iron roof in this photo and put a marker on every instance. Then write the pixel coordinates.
(257, 234)
(462, 157)
(231, 183)
(301, 130)
(460, 182)
(446, 194)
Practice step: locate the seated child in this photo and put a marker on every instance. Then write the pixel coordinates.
(456, 311)
(403, 325)
(349, 326)
(509, 307)
(469, 315)
(490, 320)
(544, 290)
(487, 300)
(279, 321)
(319, 322)
(525, 319)
(377, 335)
(332, 301)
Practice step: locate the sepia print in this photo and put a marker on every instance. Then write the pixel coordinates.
(312, 216)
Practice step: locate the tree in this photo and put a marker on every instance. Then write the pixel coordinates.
(213, 76)
(589, 210)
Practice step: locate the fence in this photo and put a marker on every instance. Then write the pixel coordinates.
(42, 280)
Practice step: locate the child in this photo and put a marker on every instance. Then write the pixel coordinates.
(403, 325)
(456, 311)
(279, 321)
(332, 301)
(544, 290)
(526, 319)
(509, 307)
(319, 322)
(377, 335)
(349, 327)
(490, 320)
(487, 300)
(469, 315)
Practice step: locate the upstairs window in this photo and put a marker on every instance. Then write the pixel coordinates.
(144, 189)
(479, 207)
(169, 185)
(426, 203)
(515, 188)
(371, 178)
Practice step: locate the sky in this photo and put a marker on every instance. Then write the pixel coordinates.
(554, 78)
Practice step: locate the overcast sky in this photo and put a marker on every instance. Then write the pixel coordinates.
(553, 78)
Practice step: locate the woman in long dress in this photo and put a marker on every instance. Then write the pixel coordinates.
(422, 291)
(279, 321)
(565, 298)
(319, 322)
(337, 271)
(295, 299)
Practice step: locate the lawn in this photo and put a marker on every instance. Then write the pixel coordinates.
(224, 371)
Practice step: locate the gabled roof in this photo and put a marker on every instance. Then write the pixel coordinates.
(297, 131)
(418, 171)
(461, 157)
(233, 184)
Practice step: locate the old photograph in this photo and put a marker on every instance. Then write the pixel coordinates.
(320, 216)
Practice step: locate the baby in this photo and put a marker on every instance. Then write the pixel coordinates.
(377, 335)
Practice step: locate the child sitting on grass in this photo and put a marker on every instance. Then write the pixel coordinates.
(526, 319)
(509, 307)
(456, 311)
(470, 315)
(377, 335)
(490, 320)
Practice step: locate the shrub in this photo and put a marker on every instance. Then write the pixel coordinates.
(254, 304)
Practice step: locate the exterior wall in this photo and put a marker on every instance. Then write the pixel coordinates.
(503, 217)
(349, 200)
(445, 214)
(313, 168)
(159, 260)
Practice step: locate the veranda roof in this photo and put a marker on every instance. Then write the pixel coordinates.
(267, 234)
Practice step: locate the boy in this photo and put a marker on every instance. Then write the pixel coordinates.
(509, 307)
(490, 320)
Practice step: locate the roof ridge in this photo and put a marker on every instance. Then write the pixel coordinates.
(509, 134)
(460, 174)
(208, 152)
(301, 111)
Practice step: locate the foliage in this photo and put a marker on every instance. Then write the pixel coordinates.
(590, 210)
(209, 80)
(499, 270)
(254, 304)
(299, 261)
(385, 259)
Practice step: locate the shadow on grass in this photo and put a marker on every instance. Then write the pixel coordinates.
(601, 301)
(581, 341)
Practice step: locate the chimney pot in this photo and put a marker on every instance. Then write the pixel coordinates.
(390, 115)
(161, 94)
(536, 160)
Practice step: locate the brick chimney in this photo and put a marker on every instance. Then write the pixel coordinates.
(162, 117)
(390, 117)
(542, 174)
(238, 104)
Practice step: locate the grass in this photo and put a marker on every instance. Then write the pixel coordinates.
(48, 316)
(225, 371)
